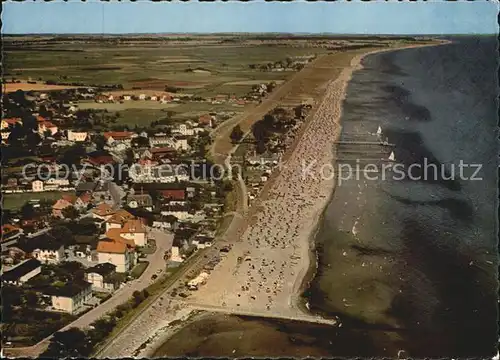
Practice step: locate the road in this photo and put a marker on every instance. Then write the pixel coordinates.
(156, 265)
(220, 153)
(242, 203)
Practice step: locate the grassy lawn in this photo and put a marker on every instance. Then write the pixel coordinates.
(140, 117)
(16, 201)
(26, 326)
(126, 105)
(224, 225)
(139, 269)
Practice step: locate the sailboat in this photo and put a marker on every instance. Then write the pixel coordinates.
(379, 131)
(392, 157)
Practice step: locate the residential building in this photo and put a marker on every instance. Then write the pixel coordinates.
(22, 272)
(103, 277)
(10, 122)
(102, 211)
(71, 297)
(134, 230)
(120, 253)
(165, 173)
(44, 126)
(118, 136)
(184, 129)
(61, 204)
(181, 143)
(140, 201)
(10, 232)
(206, 120)
(173, 196)
(179, 211)
(49, 253)
(118, 219)
(160, 139)
(77, 136)
(168, 222)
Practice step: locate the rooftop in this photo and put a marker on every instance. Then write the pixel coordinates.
(21, 269)
(102, 269)
(70, 289)
(110, 246)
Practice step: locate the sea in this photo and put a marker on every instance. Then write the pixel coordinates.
(408, 265)
(413, 259)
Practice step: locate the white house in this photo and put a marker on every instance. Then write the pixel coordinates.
(157, 173)
(118, 253)
(180, 212)
(181, 144)
(142, 96)
(37, 186)
(49, 253)
(71, 297)
(185, 130)
(77, 136)
(102, 277)
(160, 139)
(136, 231)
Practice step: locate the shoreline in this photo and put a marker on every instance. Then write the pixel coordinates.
(301, 301)
(336, 90)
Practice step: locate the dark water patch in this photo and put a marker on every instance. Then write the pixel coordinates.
(458, 208)
(367, 251)
(410, 150)
(400, 97)
(436, 277)
(465, 306)
(385, 64)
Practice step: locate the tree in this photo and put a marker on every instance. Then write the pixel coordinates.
(31, 299)
(99, 141)
(33, 139)
(260, 147)
(70, 212)
(236, 134)
(138, 297)
(69, 343)
(27, 211)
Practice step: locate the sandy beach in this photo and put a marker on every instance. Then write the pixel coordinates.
(264, 272)
(266, 267)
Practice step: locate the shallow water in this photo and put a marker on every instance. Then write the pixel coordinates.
(418, 256)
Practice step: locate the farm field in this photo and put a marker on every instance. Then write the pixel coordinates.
(205, 70)
(16, 201)
(153, 66)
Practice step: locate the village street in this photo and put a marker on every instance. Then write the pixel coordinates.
(156, 265)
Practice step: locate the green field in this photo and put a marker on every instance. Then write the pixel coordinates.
(151, 66)
(16, 201)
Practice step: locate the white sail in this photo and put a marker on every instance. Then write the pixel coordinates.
(379, 131)
(392, 157)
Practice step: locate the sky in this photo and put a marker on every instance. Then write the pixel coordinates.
(355, 17)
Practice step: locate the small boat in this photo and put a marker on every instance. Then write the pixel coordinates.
(392, 157)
